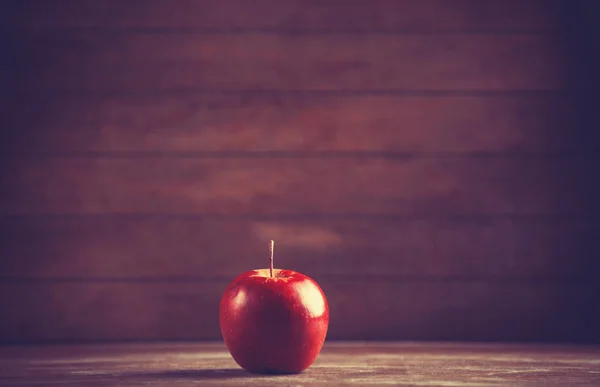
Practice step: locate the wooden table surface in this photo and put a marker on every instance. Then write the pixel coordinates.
(339, 364)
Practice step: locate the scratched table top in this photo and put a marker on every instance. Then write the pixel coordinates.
(339, 364)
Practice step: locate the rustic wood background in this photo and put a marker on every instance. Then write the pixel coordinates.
(429, 162)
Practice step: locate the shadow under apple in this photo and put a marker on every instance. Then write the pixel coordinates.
(197, 374)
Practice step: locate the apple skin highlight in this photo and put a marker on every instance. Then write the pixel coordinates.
(274, 324)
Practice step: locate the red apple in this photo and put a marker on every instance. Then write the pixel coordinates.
(273, 320)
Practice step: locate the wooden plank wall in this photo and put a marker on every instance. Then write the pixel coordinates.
(419, 158)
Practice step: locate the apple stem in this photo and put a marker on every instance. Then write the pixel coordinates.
(271, 248)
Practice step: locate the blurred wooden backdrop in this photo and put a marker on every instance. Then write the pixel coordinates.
(428, 162)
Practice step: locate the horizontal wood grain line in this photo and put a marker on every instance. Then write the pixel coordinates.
(108, 30)
(329, 62)
(357, 278)
(366, 16)
(589, 154)
(294, 125)
(116, 247)
(45, 92)
(380, 311)
(270, 186)
(312, 216)
(464, 217)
